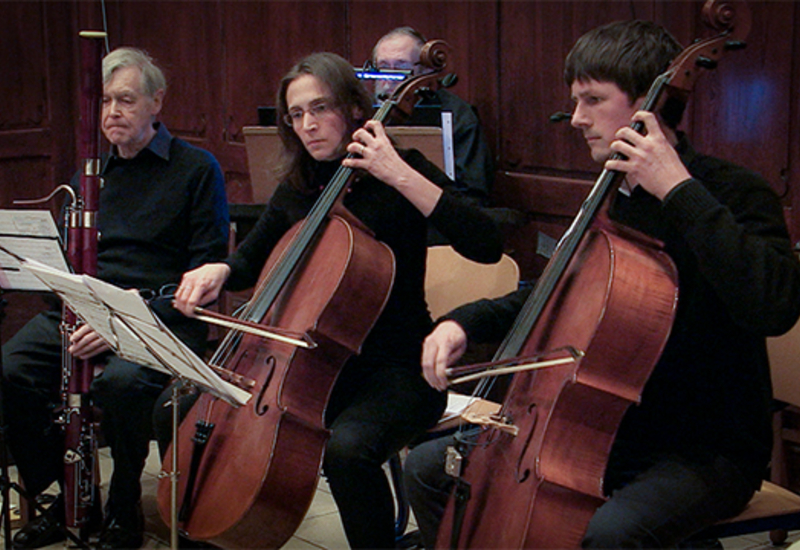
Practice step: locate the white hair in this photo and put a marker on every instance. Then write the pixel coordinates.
(152, 77)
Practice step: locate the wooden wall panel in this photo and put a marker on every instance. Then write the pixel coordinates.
(739, 109)
(459, 24)
(26, 177)
(224, 59)
(534, 40)
(36, 145)
(186, 44)
(262, 40)
(23, 44)
(792, 175)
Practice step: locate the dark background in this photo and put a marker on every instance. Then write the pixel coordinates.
(223, 59)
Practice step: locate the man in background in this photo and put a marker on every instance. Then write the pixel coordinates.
(399, 49)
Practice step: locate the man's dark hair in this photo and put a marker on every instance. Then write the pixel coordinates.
(630, 54)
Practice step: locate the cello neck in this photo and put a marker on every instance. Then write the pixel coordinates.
(607, 183)
(433, 55)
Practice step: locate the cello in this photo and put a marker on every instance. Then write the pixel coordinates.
(534, 477)
(328, 280)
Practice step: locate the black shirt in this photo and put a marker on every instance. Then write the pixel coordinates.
(739, 281)
(405, 321)
(161, 214)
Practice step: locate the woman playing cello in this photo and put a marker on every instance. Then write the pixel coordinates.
(697, 446)
(379, 402)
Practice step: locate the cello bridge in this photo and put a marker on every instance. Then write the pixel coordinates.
(498, 422)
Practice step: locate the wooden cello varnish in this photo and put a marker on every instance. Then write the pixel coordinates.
(611, 293)
(329, 279)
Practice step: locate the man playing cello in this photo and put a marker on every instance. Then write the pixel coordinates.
(697, 447)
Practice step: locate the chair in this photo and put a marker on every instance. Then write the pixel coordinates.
(452, 280)
(774, 508)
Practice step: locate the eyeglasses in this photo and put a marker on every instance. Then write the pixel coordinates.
(166, 292)
(412, 67)
(317, 110)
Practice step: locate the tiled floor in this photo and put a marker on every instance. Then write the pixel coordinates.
(321, 529)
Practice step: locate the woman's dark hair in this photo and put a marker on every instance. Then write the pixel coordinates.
(349, 97)
(630, 54)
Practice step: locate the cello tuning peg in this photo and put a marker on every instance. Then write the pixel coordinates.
(706, 62)
(425, 93)
(449, 80)
(560, 116)
(734, 45)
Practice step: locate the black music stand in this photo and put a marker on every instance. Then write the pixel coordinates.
(124, 320)
(6, 485)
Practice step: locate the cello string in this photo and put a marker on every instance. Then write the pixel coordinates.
(269, 288)
(565, 251)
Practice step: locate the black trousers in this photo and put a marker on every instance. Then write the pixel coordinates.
(658, 506)
(125, 392)
(374, 412)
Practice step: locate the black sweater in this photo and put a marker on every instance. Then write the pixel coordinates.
(161, 214)
(739, 282)
(405, 321)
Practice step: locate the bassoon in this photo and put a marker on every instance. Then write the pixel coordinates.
(80, 483)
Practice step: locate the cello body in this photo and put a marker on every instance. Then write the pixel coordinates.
(251, 480)
(259, 471)
(611, 293)
(539, 489)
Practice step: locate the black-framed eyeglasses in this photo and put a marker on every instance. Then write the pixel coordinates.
(166, 292)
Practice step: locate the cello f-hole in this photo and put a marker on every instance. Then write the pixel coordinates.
(260, 406)
(522, 474)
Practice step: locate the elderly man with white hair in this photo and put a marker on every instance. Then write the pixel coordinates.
(162, 211)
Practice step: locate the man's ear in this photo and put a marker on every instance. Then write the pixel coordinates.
(158, 101)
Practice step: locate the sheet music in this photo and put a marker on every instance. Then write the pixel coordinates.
(31, 234)
(132, 315)
(30, 223)
(133, 331)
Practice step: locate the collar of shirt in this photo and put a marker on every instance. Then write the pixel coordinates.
(159, 145)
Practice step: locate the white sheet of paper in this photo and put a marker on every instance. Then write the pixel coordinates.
(456, 403)
(31, 223)
(30, 234)
(133, 331)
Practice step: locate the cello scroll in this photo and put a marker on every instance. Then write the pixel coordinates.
(540, 488)
(433, 57)
(732, 20)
